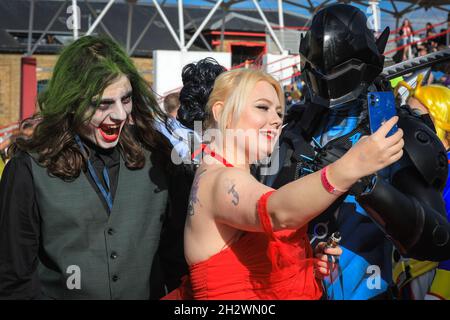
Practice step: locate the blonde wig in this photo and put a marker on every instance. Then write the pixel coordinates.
(436, 99)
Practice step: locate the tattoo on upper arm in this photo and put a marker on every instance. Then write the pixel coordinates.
(232, 190)
(193, 198)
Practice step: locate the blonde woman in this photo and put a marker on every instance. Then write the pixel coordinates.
(244, 240)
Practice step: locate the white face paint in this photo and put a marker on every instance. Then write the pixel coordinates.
(112, 113)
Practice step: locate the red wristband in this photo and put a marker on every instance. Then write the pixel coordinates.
(327, 185)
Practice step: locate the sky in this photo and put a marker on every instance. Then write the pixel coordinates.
(419, 18)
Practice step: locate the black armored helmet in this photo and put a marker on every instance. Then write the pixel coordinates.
(341, 55)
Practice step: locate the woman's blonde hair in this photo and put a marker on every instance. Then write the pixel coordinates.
(232, 88)
(436, 99)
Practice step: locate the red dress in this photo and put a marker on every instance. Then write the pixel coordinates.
(260, 265)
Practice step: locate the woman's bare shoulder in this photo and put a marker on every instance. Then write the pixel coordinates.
(213, 182)
(216, 173)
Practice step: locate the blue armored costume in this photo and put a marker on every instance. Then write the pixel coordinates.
(400, 206)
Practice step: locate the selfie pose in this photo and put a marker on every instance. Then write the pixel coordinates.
(244, 240)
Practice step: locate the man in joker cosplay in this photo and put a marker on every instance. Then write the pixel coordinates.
(82, 202)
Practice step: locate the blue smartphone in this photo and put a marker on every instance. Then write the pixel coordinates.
(381, 107)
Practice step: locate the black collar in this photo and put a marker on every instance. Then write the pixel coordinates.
(108, 157)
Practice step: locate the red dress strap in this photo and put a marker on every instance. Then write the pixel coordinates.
(264, 215)
(204, 148)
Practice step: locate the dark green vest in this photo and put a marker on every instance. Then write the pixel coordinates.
(113, 254)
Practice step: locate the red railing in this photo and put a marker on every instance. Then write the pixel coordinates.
(417, 41)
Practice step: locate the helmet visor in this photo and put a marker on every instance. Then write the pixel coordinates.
(342, 79)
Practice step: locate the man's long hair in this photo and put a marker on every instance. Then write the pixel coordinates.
(84, 69)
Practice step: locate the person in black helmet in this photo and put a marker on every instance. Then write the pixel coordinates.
(342, 62)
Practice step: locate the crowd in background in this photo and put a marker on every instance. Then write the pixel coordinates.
(411, 44)
(421, 43)
(293, 92)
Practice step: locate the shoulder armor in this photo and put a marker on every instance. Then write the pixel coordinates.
(424, 148)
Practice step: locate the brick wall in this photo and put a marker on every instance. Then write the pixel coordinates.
(10, 81)
(9, 89)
